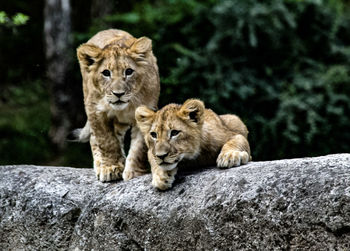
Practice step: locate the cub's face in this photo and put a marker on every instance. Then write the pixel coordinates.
(172, 133)
(117, 77)
(116, 70)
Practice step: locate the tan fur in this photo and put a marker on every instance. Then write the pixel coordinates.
(190, 135)
(110, 101)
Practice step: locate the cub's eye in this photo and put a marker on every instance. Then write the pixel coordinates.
(106, 73)
(128, 72)
(153, 135)
(174, 133)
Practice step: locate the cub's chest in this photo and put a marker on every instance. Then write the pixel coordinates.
(126, 116)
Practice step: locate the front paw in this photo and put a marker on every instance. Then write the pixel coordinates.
(162, 183)
(109, 173)
(232, 158)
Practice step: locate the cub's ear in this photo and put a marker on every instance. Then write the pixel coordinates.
(141, 46)
(192, 110)
(144, 118)
(88, 54)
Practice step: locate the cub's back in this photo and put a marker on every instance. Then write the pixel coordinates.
(224, 124)
(234, 123)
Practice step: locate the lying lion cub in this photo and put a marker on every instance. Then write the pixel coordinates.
(188, 135)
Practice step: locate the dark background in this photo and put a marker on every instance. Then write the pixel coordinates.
(281, 65)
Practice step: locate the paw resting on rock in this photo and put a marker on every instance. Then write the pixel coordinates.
(232, 158)
(162, 183)
(130, 173)
(109, 173)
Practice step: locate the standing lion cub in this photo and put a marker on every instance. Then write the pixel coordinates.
(119, 74)
(189, 134)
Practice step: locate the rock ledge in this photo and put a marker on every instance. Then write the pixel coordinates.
(301, 204)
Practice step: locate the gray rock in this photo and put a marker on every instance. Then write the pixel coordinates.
(297, 204)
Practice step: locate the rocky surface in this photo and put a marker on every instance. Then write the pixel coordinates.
(297, 204)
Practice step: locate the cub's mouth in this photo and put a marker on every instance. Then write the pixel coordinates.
(167, 163)
(118, 105)
(118, 102)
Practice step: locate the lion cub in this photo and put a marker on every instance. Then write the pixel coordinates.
(190, 135)
(119, 74)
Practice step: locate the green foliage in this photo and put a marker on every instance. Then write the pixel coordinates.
(20, 19)
(24, 123)
(3, 17)
(16, 20)
(313, 112)
(281, 65)
(24, 126)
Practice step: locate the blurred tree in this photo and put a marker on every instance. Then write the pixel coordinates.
(58, 51)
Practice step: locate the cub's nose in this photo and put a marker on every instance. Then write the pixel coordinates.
(162, 156)
(118, 94)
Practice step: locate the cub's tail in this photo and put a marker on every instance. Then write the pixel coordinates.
(80, 134)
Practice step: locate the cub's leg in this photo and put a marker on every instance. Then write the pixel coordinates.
(136, 161)
(106, 149)
(161, 178)
(235, 152)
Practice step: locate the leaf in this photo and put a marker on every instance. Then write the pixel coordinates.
(3, 17)
(20, 19)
